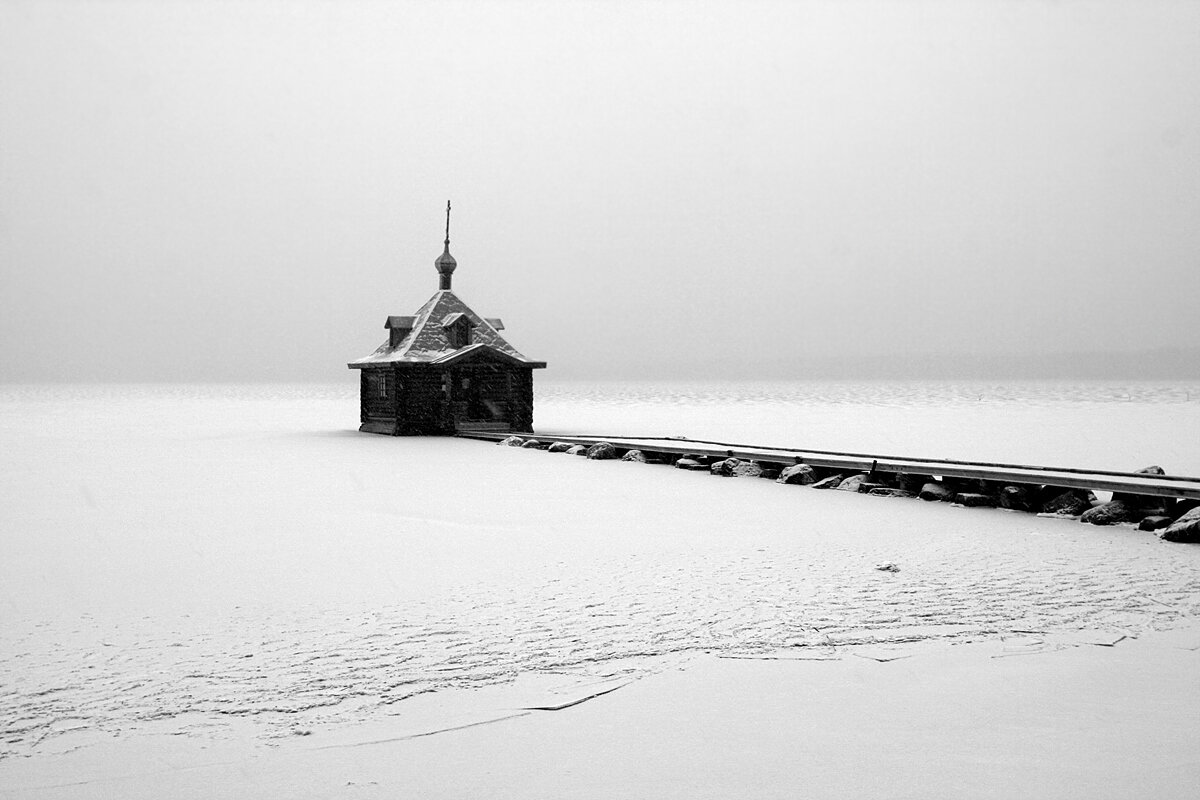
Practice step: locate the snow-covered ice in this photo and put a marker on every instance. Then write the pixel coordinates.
(238, 567)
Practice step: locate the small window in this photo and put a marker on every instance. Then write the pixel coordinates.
(376, 384)
(459, 333)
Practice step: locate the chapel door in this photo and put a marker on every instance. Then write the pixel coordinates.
(480, 394)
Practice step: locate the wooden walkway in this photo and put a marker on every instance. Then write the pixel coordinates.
(1018, 474)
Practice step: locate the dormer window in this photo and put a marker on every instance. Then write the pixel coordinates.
(398, 328)
(460, 333)
(458, 330)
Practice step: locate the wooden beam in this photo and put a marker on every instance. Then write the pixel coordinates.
(1030, 475)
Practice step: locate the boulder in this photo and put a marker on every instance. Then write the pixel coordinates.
(1018, 498)
(747, 469)
(1148, 505)
(1145, 505)
(968, 486)
(975, 500)
(831, 482)
(1069, 503)
(852, 483)
(601, 451)
(635, 455)
(868, 486)
(511, 441)
(690, 463)
(736, 468)
(935, 490)
(533, 444)
(1154, 523)
(911, 483)
(1184, 529)
(559, 447)
(992, 488)
(887, 491)
(723, 468)
(1183, 505)
(576, 450)
(1109, 513)
(799, 474)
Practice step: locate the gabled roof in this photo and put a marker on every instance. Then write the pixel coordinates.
(475, 352)
(400, 323)
(427, 341)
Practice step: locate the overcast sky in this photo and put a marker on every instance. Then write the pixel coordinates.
(246, 190)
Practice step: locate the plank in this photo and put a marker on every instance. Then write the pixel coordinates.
(1175, 486)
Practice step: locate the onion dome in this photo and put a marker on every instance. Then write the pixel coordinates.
(445, 263)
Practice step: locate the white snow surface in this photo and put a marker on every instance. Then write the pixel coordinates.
(216, 562)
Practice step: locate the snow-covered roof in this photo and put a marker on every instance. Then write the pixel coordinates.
(428, 340)
(400, 323)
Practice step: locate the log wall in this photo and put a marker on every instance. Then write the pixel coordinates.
(423, 408)
(424, 400)
(377, 400)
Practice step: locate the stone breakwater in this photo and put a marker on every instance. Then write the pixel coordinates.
(1173, 520)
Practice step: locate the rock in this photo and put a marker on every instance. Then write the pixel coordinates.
(1184, 505)
(1177, 508)
(868, 486)
(798, 474)
(934, 491)
(770, 474)
(1154, 523)
(992, 488)
(690, 463)
(723, 468)
(559, 447)
(887, 566)
(601, 451)
(747, 469)
(912, 483)
(975, 500)
(1070, 503)
(736, 468)
(511, 441)
(1144, 505)
(1018, 498)
(887, 491)
(532, 444)
(967, 486)
(852, 483)
(1109, 513)
(1184, 529)
(576, 450)
(831, 482)
(635, 455)
(1147, 504)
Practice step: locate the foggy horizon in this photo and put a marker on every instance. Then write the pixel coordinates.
(209, 192)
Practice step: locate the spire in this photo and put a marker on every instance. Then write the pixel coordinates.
(445, 263)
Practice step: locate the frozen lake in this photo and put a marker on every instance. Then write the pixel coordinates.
(203, 560)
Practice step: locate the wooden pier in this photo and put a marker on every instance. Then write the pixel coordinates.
(1133, 483)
